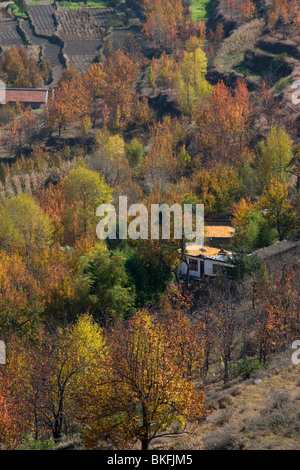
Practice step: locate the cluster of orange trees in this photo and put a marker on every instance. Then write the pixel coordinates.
(114, 82)
(19, 69)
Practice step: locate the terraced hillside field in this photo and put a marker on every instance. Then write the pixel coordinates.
(101, 15)
(82, 54)
(42, 19)
(49, 51)
(80, 32)
(76, 25)
(9, 35)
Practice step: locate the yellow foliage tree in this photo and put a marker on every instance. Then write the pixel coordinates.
(274, 155)
(190, 83)
(279, 212)
(148, 392)
(84, 190)
(31, 228)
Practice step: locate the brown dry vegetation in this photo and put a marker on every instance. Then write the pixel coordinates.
(233, 48)
(76, 25)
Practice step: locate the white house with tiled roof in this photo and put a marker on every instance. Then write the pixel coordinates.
(207, 260)
(204, 261)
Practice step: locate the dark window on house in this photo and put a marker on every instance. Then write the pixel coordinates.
(217, 269)
(193, 264)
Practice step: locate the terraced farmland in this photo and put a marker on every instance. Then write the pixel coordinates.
(31, 38)
(77, 25)
(9, 35)
(42, 19)
(80, 30)
(49, 50)
(101, 16)
(82, 54)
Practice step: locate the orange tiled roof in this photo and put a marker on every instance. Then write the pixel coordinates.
(205, 251)
(219, 231)
(24, 95)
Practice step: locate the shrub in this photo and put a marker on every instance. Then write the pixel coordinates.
(225, 401)
(280, 400)
(224, 440)
(244, 368)
(134, 152)
(224, 416)
(281, 85)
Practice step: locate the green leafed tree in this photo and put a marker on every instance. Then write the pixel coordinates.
(102, 284)
(28, 227)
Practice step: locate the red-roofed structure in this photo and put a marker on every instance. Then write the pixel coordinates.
(34, 97)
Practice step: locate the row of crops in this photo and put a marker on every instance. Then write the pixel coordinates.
(9, 35)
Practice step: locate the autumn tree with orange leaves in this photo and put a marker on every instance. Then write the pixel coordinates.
(163, 162)
(163, 18)
(287, 10)
(120, 88)
(45, 374)
(20, 70)
(21, 126)
(244, 8)
(21, 301)
(69, 102)
(223, 124)
(277, 315)
(11, 422)
(189, 336)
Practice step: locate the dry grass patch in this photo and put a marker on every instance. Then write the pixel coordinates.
(251, 416)
(233, 48)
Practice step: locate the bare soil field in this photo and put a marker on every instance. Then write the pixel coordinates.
(9, 35)
(81, 54)
(49, 51)
(77, 25)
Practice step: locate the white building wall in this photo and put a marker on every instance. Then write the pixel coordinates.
(208, 268)
(183, 270)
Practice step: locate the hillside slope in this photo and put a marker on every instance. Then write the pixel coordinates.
(261, 413)
(257, 53)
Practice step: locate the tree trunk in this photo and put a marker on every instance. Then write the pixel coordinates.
(58, 422)
(144, 440)
(227, 360)
(145, 444)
